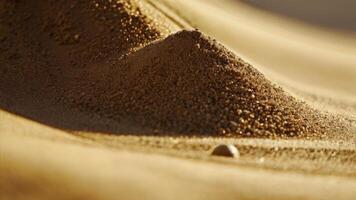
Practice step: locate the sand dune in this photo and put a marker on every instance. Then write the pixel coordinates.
(291, 53)
(106, 99)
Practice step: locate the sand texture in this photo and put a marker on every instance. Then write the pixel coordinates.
(126, 99)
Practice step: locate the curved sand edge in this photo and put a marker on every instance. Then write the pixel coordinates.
(52, 164)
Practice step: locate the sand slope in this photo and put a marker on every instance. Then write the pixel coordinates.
(316, 61)
(54, 143)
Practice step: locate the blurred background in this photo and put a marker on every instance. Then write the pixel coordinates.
(334, 14)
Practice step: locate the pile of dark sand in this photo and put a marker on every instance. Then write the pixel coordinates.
(80, 55)
(189, 84)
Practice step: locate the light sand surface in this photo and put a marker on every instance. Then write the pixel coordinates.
(54, 153)
(44, 163)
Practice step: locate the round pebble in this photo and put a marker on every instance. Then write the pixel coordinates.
(226, 150)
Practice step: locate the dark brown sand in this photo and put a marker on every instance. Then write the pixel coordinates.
(82, 55)
(48, 47)
(188, 83)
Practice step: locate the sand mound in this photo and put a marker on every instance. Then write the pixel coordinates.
(79, 55)
(187, 83)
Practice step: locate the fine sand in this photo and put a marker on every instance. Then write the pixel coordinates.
(126, 99)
